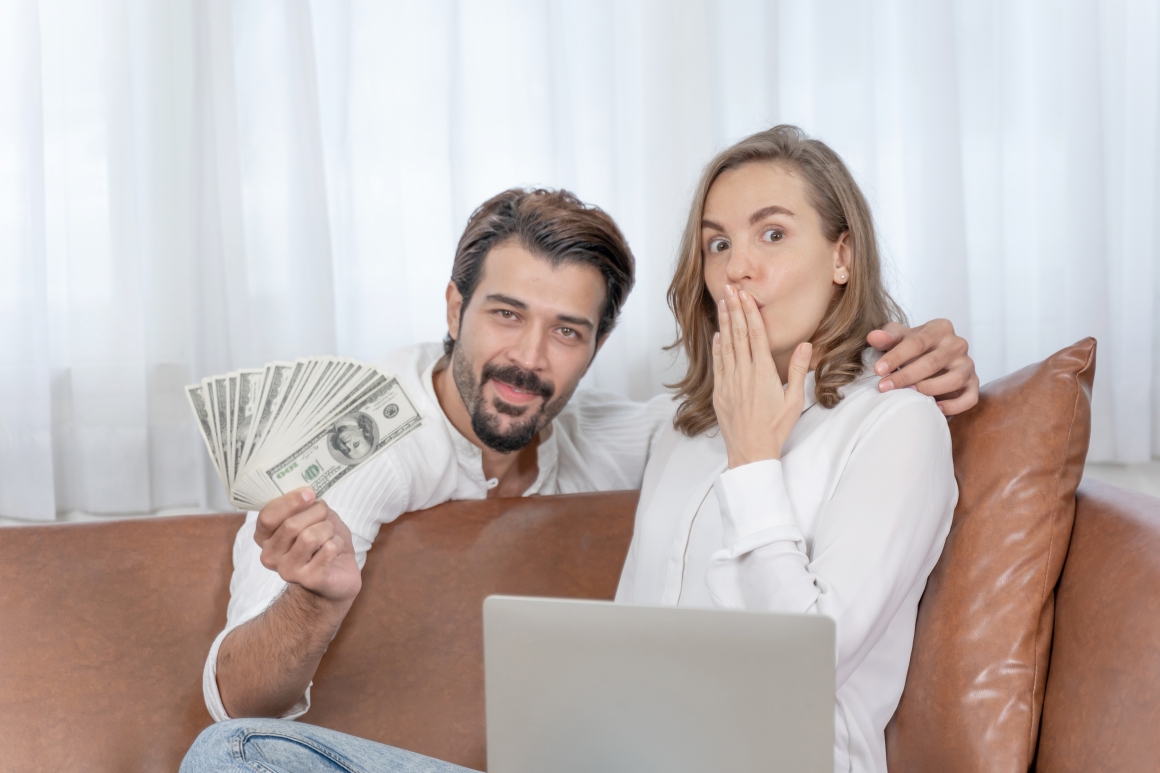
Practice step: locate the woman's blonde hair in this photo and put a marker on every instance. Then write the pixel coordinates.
(859, 306)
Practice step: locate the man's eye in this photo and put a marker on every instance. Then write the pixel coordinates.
(718, 245)
(568, 332)
(772, 235)
(506, 314)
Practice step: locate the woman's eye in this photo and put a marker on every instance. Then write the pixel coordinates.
(772, 235)
(718, 245)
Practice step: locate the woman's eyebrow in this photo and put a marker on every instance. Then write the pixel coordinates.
(765, 212)
(712, 225)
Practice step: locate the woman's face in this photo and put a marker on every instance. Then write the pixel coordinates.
(760, 234)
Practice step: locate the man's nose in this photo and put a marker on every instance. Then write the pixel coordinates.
(529, 352)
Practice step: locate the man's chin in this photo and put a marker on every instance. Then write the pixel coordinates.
(504, 436)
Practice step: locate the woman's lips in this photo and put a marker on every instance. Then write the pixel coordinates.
(509, 394)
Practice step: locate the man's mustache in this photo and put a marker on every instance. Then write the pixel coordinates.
(521, 379)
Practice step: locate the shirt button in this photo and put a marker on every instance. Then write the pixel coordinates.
(492, 483)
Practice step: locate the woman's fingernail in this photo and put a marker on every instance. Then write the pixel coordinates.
(885, 385)
(730, 291)
(721, 304)
(881, 368)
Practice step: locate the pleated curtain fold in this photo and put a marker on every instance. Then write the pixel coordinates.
(193, 186)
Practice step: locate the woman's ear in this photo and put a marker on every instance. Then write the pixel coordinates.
(454, 309)
(842, 259)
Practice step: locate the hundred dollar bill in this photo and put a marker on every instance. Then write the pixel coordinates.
(249, 385)
(197, 400)
(376, 421)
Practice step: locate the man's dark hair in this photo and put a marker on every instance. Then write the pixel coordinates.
(555, 226)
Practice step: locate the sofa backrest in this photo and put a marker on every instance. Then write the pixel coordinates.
(1102, 706)
(407, 667)
(106, 627)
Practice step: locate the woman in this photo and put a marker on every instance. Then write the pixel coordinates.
(788, 482)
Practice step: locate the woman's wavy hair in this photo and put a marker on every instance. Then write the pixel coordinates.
(857, 307)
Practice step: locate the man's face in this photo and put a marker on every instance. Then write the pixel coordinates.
(524, 341)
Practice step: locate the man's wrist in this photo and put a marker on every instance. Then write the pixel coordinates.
(316, 605)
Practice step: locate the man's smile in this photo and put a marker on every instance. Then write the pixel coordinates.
(514, 395)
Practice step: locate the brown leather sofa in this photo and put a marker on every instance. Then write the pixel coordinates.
(1038, 642)
(105, 629)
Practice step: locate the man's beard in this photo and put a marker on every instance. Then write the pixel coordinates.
(485, 424)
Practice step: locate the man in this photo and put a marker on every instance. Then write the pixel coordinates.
(537, 283)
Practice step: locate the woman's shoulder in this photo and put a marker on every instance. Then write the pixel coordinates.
(866, 405)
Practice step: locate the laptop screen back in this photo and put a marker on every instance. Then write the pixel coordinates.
(594, 686)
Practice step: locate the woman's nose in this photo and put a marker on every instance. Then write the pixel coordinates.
(740, 265)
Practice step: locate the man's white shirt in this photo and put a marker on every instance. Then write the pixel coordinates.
(599, 442)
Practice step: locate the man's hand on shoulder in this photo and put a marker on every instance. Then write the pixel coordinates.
(932, 359)
(308, 545)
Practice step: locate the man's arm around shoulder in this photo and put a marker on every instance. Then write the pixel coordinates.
(265, 665)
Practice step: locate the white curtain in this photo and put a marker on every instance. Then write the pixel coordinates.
(192, 186)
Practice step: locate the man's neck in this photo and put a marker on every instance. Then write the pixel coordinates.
(517, 471)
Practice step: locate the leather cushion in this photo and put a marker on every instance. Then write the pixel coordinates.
(1103, 692)
(975, 686)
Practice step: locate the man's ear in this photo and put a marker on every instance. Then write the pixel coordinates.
(454, 310)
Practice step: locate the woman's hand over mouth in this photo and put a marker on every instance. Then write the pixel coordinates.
(755, 413)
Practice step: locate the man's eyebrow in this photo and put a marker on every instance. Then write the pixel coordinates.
(566, 318)
(510, 301)
(576, 321)
(765, 212)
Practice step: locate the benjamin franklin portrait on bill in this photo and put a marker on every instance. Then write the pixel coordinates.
(352, 438)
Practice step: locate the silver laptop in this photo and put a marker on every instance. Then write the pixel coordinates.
(594, 686)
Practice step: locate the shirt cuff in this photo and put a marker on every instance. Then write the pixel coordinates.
(753, 499)
(213, 697)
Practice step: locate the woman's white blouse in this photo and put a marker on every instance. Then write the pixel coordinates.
(848, 524)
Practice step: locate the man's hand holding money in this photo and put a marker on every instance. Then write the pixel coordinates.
(307, 544)
(280, 437)
(265, 665)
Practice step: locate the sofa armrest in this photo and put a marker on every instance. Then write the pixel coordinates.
(1102, 705)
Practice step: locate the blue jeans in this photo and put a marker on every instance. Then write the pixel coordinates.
(282, 746)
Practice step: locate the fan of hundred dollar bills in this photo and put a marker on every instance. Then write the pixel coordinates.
(304, 423)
